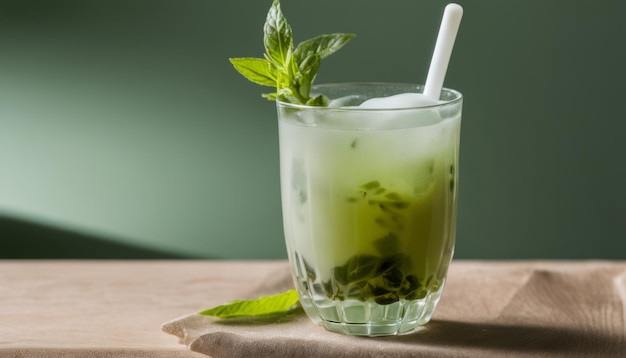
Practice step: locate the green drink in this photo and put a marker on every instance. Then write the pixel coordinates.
(369, 205)
(368, 181)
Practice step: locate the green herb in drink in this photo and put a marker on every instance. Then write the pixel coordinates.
(290, 70)
(381, 278)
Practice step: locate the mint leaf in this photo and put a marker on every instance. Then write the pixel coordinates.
(323, 45)
(291, 71)
(309, 54)
(257, 70)
(361, 266)
(278, 40)
(308, 71)
(276, 305)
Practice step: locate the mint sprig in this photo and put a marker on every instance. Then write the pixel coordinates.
(263, 307)
(290, 70)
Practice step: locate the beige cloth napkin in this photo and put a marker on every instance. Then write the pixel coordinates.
(488, 309)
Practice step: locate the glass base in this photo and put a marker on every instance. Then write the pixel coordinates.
(368, 318)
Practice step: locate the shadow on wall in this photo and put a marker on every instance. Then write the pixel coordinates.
(22, 239)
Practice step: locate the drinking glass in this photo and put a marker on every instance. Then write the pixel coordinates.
(369, 201)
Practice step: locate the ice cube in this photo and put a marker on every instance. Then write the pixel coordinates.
(403, 100)
(345, 101)
(417, 112)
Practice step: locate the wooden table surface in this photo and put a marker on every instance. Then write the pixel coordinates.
(108, 308)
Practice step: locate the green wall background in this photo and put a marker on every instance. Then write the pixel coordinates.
(123, 124)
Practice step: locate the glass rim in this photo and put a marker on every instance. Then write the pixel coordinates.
(458, 97)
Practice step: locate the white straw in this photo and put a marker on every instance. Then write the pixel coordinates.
(443, 49)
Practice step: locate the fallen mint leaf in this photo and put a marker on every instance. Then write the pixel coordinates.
(274, 306)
